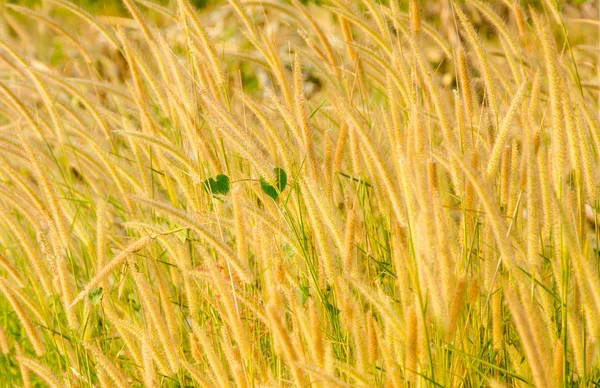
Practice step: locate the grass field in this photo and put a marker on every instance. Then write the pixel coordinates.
(273, 194)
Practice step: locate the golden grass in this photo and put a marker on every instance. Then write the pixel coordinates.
(271, 194)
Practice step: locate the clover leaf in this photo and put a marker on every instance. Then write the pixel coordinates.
(220, 186)
(280, 183)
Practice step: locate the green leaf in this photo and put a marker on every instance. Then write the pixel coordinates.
(280, 182)
(220, 186)
(280, 178)
(96, 296)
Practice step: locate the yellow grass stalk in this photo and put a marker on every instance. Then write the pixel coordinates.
(447, 267)
(24, 319)
(326, 212)
(148, 300)
(142, 103)
(380, 304)
(4, 347)
(497, 321)
(31, 257)
(518, 174)
(25, 188)
(166, 303)
(103, 362)
(128, 333)
(533, 222)
(55, 26)
(392, 376)
(248, 23)
(376, 11)
(149, 37)
(346, 11)
(88, 18)
(483, 61)
(500, 28)
(280, 142)
(558, 362)
(164, 11)
(347, 33)
(135, 75)
(586, 158)
(282, 336)
(42, 371)
(98, 115)
(322, 240)
(320, 35)
(112, 265)
(350, 243)
(232, 354)
(505, 125)
(354, 153)
(271, 54)
(505, 177)
(18, 106)
(555, 82)
(546, 192)
(113, 173)
(183, 261)
(415, 19)
(496, 223)
(137, 68)
(457, 306)
(100, 234)
(533, 349)
(574, 141)
(207, 45)
(240, 233)
(148, 363)
(359, 336)
(552, 6)
(316, 334)
(412, 333)
(461, 123)
(49, 190)
(372, 341)
(42, 90)
(520, 18)
(433, 93)
(180, 101)
(299, 325)
(264, 252)
(158, 355)
(66, 288)
(194, 349)
(326, 171)
(216, 365)
(238, 137)
(103, 380)
(196, 375)
(302, 118)
(183, 217)
(230, 307)
(25, 376)
(288, 117)
(358, 128)
(393, 124)
(575, 341)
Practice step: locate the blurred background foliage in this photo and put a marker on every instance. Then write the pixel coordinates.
(115, 7)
